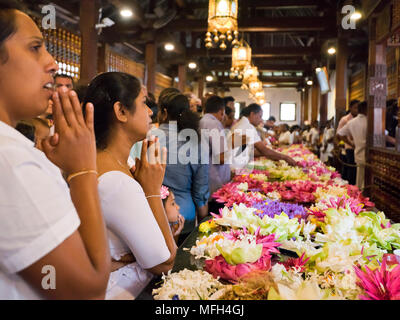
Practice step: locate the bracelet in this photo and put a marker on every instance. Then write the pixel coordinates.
(154, 196)
(73, 175)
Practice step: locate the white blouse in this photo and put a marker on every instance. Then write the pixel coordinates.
(36, 211)
(131, 228)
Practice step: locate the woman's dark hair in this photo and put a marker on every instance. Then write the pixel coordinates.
(178, 108)
(166, 92)
(254, 107)
(81, 91)
(294, 128)
(8, 24)
(27, 129)
(104, 91)
(152, 104)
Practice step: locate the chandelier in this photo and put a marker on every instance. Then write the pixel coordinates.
(222, 23)
(241, 58)
(250, 74)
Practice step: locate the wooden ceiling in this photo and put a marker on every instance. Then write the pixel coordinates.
(285, 35)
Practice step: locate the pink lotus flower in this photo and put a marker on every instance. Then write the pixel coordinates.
(379, 284)
(342, 202)
(355, 193)
(218, 267)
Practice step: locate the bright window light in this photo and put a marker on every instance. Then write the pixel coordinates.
(237, 110)
(287, 112)
(266, 107)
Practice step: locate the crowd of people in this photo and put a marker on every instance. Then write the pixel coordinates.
(93, 182)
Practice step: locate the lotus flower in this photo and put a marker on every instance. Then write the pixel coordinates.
(219, 267)
(380, 284)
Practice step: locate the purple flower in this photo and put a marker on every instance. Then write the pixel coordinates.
(274, 207)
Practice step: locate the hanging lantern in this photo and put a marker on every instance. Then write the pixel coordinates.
(250, 74)
(241, 58)
(255, 86)
(222, 23)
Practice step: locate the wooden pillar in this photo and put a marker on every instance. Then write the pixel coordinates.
(182, 77)
(151, 63)
(201, 88)
(88, 18)
(101, 63)
(306, 106)
(377, 90)
(323, 110)
(315, 102)
(303, 104)
(341, 78)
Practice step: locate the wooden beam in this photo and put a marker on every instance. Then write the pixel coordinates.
(292, 80)
(286, 24)
(271, 4)
(87, 22)
(238, 85)
(150, 64)
(182, 77)
(258, 52)
(341, 79)
(267, 67)
(315, 94)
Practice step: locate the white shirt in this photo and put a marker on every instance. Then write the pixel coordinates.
(285, 138)
(131, 228)
(357, 129)
(342, 123)
(36, 211)
(241, 158)
(314, 133)
(328, 134)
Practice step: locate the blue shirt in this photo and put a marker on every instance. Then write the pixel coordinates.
(185, 174)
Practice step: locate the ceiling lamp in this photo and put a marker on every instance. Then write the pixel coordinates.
(331, 50)
(241, 58)
(250, 73)
(255, 86)
(192, 65)
(126, 13)
(169, 46)
(222, 23)
(209, 78)
(356, 16)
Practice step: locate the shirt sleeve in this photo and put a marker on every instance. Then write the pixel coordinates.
(36, 210)
(128, 214)
(344, 131)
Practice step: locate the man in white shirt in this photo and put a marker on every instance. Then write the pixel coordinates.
(252, 117)
(327, 142)
(349, 173)
(357, 129)
(211, 126)
(314, 137)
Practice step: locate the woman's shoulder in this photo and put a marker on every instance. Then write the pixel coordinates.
(116, 181)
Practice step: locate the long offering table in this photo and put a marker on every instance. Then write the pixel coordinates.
(287, 233)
